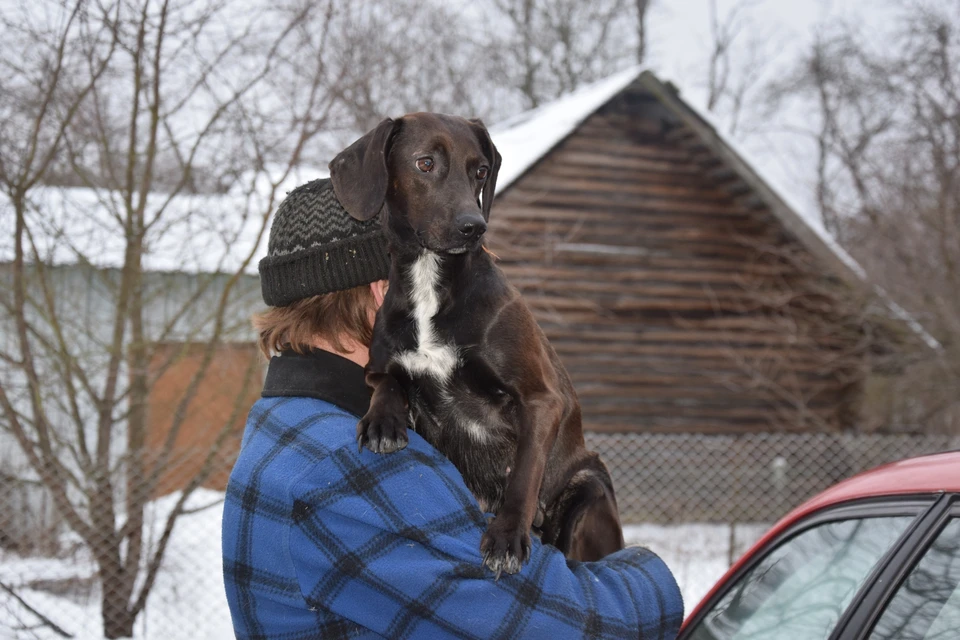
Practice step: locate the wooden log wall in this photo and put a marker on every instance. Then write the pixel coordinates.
(677, 302)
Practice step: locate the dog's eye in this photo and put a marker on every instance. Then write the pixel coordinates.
(482, 173)
(425, 164)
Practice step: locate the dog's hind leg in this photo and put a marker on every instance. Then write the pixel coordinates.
(585, 524)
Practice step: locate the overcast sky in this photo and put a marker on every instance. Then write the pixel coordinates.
(679, 49)
(680, 29)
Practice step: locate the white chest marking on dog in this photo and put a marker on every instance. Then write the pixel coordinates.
(431, 357)
(476, 430)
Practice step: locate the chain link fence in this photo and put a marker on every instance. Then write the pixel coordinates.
(697, 500)
(669, 479)
(53, 586)
(701, 501)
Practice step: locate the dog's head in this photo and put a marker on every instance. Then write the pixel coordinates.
(435, 175)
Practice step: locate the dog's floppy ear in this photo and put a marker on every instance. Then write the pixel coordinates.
(359, 172)
(493, 156)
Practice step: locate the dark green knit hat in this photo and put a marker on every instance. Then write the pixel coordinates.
(317, 247)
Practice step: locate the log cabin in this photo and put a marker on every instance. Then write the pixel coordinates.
(683, 292)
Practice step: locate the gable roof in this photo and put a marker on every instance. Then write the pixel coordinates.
(525, 139)
(529, 136)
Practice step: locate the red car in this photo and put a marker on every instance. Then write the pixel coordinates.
(876, 556)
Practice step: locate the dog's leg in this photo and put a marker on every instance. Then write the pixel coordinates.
(587, 526)
(383, 429)
(506, 544)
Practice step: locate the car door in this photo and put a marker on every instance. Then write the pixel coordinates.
(806, 583)
(917, 595)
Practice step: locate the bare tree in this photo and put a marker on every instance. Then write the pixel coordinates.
(150, 107)
(446, 70)
(887, 133)
(739, 58)
(642, 8)
(846, 87)
(548, 48)
(818, 333)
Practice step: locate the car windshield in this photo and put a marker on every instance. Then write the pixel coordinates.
(802, 587)
(927, 604)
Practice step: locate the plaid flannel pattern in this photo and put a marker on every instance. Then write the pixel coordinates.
(320, 541)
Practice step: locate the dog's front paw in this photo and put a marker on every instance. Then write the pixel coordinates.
(505, 546)
(382, 431)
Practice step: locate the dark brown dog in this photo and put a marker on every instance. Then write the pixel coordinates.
(458, 352)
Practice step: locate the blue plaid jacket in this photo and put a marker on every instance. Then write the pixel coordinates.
(320, 541)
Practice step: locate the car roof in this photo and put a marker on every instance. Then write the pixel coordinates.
(934, 473)
(925, 474)
(930, 474)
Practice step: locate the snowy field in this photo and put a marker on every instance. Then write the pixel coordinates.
(187, 601)
(698, 554)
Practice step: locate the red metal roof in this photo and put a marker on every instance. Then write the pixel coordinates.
(925, 474)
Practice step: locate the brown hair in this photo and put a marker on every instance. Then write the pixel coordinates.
(331, 316)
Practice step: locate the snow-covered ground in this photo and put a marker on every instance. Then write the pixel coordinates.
(187, 601)
(697, 553)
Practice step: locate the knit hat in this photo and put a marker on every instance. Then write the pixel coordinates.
(317, 247)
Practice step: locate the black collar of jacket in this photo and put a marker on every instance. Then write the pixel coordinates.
(318, 374)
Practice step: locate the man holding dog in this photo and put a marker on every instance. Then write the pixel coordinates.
(322, 540)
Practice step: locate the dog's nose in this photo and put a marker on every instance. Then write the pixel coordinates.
(471, 226)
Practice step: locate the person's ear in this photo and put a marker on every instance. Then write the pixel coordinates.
(379, 290)
(359, 172)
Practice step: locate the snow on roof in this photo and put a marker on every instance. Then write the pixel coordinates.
(192, 233)
(525, 138)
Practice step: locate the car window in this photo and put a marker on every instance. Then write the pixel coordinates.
(800, 589)
(927, 605)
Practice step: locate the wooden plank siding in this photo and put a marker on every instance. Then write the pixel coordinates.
(675, 302)
(228, 388)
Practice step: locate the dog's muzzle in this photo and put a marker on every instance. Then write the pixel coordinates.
(471, 227)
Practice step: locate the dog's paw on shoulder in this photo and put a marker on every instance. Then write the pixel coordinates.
(505, 546)
(382, 433)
